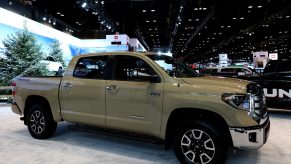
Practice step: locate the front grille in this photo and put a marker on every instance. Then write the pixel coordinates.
(260, 106)
(260, 110)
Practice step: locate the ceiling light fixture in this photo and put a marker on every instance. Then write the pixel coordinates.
(153, 10)
(250, 7)
(84, 4)
(144, 11)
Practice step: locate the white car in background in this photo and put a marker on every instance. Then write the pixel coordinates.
(52, 65)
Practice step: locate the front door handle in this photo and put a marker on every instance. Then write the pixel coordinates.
(112, 88)
(68, 85)
(155, 93)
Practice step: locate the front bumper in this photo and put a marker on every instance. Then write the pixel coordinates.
(15, 108)
(250, 137)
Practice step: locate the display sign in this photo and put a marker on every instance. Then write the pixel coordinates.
(260, 54)
(114, 39)
(223, 57)
(223, 60)
(260, 59)
(273, 56)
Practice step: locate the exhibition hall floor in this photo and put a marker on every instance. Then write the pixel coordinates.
(71, 144)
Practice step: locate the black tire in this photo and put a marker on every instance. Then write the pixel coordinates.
(200, 139)
(40, 123)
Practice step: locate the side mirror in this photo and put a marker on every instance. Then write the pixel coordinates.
(154, 79)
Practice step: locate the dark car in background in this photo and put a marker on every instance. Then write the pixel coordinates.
(229, 71)
(275, 80)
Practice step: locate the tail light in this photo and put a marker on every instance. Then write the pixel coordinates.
(13, 88)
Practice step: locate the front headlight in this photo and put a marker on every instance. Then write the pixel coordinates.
(239, 101)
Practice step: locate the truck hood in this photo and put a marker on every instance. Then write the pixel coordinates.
(218, 84)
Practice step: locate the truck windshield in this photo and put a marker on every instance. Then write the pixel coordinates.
(173, 67)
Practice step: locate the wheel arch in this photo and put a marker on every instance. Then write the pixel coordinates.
(34, 99)
(179, 115)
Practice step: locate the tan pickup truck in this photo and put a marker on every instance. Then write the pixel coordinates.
(149, 94)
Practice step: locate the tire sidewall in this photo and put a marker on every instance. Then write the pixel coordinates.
(49, 126)
(219, 143)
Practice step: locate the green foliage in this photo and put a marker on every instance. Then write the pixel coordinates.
(23, 56)
(56, 52)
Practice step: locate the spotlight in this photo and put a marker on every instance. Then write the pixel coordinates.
(84, 4)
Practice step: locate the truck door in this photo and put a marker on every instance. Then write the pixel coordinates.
(82, 91)
(133, 103)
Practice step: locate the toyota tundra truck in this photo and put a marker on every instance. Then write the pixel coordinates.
(151, 95)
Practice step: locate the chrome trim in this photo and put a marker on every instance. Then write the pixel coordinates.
(137, 117)
(240, 136)
(259, 104)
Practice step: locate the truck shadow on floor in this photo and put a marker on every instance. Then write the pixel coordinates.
(99, 140)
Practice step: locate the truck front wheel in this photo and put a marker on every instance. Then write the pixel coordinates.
(40, 123)
(199, 142)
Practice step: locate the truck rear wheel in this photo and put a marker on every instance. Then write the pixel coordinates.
(40, 123)
(199, 142)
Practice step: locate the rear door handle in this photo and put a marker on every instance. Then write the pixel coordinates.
(68, 85)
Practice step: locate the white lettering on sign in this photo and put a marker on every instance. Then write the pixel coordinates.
(273, 94)
(277, 92)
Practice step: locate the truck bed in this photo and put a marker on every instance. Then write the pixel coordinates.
(46, 87)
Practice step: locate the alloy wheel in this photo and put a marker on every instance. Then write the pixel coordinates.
(37, 122)
(197, 146)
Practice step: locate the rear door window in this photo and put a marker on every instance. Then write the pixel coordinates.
(91, 67)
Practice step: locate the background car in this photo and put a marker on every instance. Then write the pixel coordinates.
(229, 71)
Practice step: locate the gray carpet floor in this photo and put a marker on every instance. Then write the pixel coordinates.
(76, 145)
